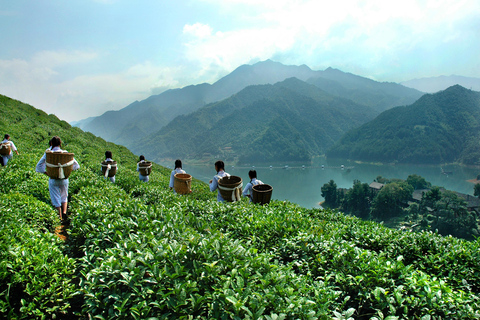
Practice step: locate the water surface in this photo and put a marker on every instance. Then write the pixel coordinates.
(302, 184)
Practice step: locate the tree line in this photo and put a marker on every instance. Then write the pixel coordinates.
(438, 210)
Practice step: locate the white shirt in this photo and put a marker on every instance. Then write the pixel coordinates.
(172, 176)
(247, 192)
(214, 184)
(138, 165)
(12, 146)
(42, 166)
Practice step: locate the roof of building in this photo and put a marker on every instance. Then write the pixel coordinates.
(376, 185)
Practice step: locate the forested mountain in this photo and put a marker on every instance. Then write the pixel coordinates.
(147, 116)
(379, 95)
(291, 120)
(142, 118)
(441, 127)
(435, 84)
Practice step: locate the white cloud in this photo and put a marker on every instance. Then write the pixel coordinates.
(52, 59)
(369, 35)
(198, 30)
(84, 95)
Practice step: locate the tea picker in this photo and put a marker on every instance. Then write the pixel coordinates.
(144, 169)
(180, 181)
(109, 167)
(213, 184)
(247, 192)
(6, 150)
(57, 164)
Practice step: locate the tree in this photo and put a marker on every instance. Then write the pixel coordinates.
(452, 216)
(430, 198)
(476, 190)
(329, 193)
(417, 182)
(390, 201)
(357, 200)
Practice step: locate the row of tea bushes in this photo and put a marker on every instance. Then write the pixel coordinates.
(36, 278)
(136, 250)
(158, 260)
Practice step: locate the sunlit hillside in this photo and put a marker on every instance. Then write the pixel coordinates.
(137, 251)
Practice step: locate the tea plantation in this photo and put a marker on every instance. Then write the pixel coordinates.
(136, 251)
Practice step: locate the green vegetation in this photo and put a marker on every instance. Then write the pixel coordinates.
(438, 128)
(438, 210)
(288, 121)
(142, 120)
(137, 251)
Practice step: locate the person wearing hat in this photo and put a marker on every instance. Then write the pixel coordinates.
(58, 187)
(6, 141)
(178, 169)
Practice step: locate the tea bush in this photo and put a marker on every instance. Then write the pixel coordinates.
(136, 250)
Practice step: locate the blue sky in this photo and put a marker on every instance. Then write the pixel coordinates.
(81, 58)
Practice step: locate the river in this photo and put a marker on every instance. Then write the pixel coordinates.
(301, 184)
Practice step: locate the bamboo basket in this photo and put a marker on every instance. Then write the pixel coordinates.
(55, 158)
(113, 168)
(262, 193)
(230, 188)
(145, 168)
(182, 183)
(5, 149)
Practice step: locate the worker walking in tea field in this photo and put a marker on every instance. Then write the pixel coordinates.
(109, 167)
(142, 177)
(220, 169)
(58, 187)
(247, 192)
(178, 169)
(6, 150)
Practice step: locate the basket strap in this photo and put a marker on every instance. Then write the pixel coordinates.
(108, 166)
(234, 195)
(60, 167)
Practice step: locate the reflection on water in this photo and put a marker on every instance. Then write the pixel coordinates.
(301, 183)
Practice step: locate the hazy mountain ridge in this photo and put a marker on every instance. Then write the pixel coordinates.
(291, 120)
(435, 84)
(438, 128)
(142, 118)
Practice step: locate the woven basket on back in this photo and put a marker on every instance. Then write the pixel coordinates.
(230, 188)
(145, 168)
(5, 149)
(59, 160)
(113, 168)
(261, 193)
(182, 183)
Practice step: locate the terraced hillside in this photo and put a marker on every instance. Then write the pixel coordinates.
(136, 251)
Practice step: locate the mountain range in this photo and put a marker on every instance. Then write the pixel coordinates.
(435, 84)
(290, 120)
(438, 128)
(145, 117)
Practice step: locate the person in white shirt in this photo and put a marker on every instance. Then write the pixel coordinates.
(220, 168)
(58, 187)
(6, 140)
(178, 169)
(247, 192)
(141, 176)
(108, 157)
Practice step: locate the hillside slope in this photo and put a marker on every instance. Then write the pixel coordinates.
(291, 120)
(141, 118)
(137, 251)
(438, 128)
